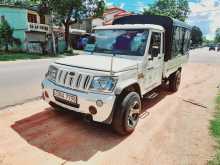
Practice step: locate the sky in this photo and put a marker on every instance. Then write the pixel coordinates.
(204, 13)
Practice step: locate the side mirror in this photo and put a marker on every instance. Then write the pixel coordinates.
(155, 51)
(150, 58)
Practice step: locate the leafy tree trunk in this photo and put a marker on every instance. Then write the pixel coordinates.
(6, 47)
(67, 24)
(67, 33)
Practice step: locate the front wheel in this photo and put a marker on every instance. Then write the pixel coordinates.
(126, 115)
(174, 81)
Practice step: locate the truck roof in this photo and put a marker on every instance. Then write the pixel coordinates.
(133, 26)
(164, 21)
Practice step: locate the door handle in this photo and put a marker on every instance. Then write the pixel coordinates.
(150, 68)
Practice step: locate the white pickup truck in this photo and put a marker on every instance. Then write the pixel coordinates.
(125, 61)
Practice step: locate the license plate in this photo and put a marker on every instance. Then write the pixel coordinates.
(65, 96)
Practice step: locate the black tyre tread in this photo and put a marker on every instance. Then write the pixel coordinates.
(172, 81)
(119, 114)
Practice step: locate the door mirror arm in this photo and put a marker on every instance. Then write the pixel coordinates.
(150, 58)
(155, 52)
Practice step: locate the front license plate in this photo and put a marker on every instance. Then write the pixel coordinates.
(65, 96)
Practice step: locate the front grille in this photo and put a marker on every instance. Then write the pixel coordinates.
(73, 80)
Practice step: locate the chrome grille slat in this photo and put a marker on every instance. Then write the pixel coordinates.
(89, 82)
(59, 75)
(65, 78)
(73, 80)
(83, 81)
(78, 81)
(85, 86)
(62, 77)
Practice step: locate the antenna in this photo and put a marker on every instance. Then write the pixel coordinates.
(112, 61)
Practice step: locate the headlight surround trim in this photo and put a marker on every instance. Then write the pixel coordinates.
(104, 84)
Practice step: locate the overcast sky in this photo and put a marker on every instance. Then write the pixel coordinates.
(204, 13)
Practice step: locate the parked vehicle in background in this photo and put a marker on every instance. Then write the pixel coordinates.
(212, 47)
(128, 60)
(218, 48)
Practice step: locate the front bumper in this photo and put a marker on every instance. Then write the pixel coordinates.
(85, 100)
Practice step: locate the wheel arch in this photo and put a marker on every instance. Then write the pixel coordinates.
(120, 94)
(132, 86)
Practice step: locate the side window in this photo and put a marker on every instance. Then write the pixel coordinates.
(155, 44)
(186, 44)
(181, 41)
(175, 42)
(32, 18)
(178, 41)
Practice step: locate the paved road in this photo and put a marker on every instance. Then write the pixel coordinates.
(203, 55)
(20, 81)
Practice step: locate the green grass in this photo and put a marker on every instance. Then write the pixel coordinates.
(11, 56)
(215, 130)
(21, 56)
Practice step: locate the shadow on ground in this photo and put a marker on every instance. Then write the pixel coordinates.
(67, 136)
(152, 99)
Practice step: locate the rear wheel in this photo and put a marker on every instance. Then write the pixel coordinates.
(126, 114)
(174, 81)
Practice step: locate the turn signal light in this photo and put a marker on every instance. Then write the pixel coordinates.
(46, 94)
(43, 97)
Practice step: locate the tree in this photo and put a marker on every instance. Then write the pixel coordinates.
(6, 34)
(178, 9)
(205, 41)
(196, 36)
(217, 35)
(68, 12)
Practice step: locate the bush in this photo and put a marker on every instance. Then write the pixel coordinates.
(6, 35)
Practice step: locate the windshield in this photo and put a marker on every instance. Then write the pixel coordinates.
(123, 42)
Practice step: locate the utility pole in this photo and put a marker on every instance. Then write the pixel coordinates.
(52, 33)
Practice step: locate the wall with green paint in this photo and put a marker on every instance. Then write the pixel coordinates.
(17, 18)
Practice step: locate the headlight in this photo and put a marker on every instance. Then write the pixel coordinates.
(103, 84)
(52, 73)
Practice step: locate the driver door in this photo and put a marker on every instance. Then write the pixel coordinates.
(154, 64)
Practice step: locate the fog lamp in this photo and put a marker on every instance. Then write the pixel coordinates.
(99, 103)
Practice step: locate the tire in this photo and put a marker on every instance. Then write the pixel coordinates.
(174, 81)
(126, 114)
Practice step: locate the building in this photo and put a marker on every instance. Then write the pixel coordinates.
(29, 27)
(88, 24)
(113, 13)
(109, 16)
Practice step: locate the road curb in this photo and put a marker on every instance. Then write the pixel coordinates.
(20, 103)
